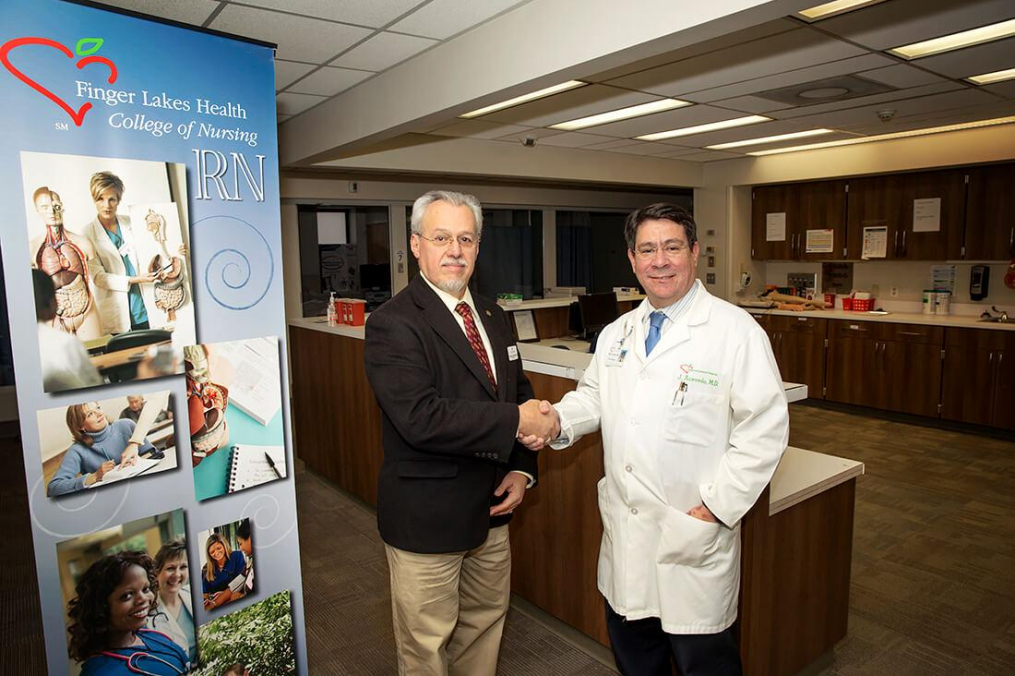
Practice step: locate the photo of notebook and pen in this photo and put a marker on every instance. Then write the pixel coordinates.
(251, 465)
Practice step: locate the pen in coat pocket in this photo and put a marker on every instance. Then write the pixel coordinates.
(682, 390)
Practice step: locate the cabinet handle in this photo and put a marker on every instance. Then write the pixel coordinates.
(903, 242)
(1011, 242)
(990, 360)
(895, 247)
(911, 333)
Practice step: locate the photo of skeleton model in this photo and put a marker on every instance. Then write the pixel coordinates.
(110, 242)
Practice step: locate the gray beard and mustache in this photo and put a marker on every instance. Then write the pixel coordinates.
(453, 286)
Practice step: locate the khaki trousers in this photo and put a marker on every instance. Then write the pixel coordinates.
(448, 610)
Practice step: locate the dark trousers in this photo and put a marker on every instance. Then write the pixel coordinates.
(642, 648)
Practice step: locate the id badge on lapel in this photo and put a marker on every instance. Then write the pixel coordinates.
(619, 349)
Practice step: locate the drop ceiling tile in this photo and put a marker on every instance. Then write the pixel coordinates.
(902, 22)
(761, 58)
(759, 130)
(532, 132)
(298, 38)
(790, 78)
(752, 105)
(572, 139)
(287, 72)
(977, 60)
(570, 105)
(711, 156)
(329, 81)
(887, 97)
(901, 76)
(854, 118)
(644, 148)
(671, 119)
(937, 118)
(614, 144)
(1005, 89)
(443, 18)
(194, 12)
(478, 129)
(383, 51)
(715, 44)
(294, 104)
(375, 13)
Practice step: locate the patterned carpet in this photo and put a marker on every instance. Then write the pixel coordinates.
(933, 583)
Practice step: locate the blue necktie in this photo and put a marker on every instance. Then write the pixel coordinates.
(655, 331)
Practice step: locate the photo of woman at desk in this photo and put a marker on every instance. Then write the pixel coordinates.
(226, 571)
(120, 269)
(83, 447)
(117, 598)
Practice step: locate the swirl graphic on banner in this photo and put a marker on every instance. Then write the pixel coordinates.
(233, 277)
(68, 505)
(270, 505)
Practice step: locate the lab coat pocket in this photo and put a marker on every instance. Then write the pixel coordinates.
(686, 540)
(692, 417)
(604, 509)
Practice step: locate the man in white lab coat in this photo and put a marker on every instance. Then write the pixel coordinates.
(694, 422)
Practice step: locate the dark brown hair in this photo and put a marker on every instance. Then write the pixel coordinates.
(89, 609)
(660, 211)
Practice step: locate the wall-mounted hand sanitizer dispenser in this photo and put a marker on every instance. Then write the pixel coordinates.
(979, 282)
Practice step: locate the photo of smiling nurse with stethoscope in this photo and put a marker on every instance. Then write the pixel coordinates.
(128, 606)
(108, 633)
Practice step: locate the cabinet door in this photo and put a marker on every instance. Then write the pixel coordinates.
(1004, 390)
(967, 385)
(912, 377)
(990, 213)
(773, 199)
(874, 202)
(822, 206)
(945, 243)
(852, 370)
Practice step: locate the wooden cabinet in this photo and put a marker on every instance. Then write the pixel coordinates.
(978, 384)
(894, 367)
(990, 213)
(773, 199)
(890, 201)
(819, 205)
(799, 347)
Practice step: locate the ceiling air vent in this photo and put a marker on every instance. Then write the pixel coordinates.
(823, 91)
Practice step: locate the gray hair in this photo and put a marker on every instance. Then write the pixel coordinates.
(457, 199)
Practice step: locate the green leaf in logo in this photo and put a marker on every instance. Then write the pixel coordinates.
(88, 46)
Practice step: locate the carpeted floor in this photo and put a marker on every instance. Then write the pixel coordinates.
(933, 582)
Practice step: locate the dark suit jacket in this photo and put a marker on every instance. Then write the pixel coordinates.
(448, 438)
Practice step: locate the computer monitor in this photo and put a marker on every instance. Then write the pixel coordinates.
(596, 310)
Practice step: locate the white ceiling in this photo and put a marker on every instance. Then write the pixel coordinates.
(329, 46)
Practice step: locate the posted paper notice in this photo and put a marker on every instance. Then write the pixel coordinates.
(775, 227)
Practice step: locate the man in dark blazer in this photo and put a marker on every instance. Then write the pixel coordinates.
(448, 377)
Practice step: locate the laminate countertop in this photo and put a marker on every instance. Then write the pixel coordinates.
(952, 321)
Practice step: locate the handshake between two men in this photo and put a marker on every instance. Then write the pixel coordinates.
(538, 424)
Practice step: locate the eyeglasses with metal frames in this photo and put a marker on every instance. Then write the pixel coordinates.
(441, 240)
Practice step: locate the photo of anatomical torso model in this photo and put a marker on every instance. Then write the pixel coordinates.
(169, 270)
(206, 404)
(64, 256)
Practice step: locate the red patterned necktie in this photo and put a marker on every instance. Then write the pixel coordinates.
(472, 333)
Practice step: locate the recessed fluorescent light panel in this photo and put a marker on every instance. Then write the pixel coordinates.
(834, 8)
(947, 43)
(886, 137)
(770, 139)
(702, 128)
(525, 98)
(991, 78)
(621, 114)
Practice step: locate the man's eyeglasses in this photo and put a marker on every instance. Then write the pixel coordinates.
(442, 241)
(670, 251)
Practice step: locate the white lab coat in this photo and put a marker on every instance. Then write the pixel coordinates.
(667, 450)
(111, 280)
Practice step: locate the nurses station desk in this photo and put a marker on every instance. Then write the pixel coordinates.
(797, 541)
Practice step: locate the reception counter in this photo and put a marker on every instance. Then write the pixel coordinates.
(797, 540)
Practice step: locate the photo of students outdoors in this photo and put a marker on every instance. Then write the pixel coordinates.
(234, 404)
(96, 443)
(253, 641)
(127, 598)
(110, 241)
(227, 564)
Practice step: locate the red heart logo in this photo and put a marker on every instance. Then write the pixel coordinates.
(79, 115)
(686, 368)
